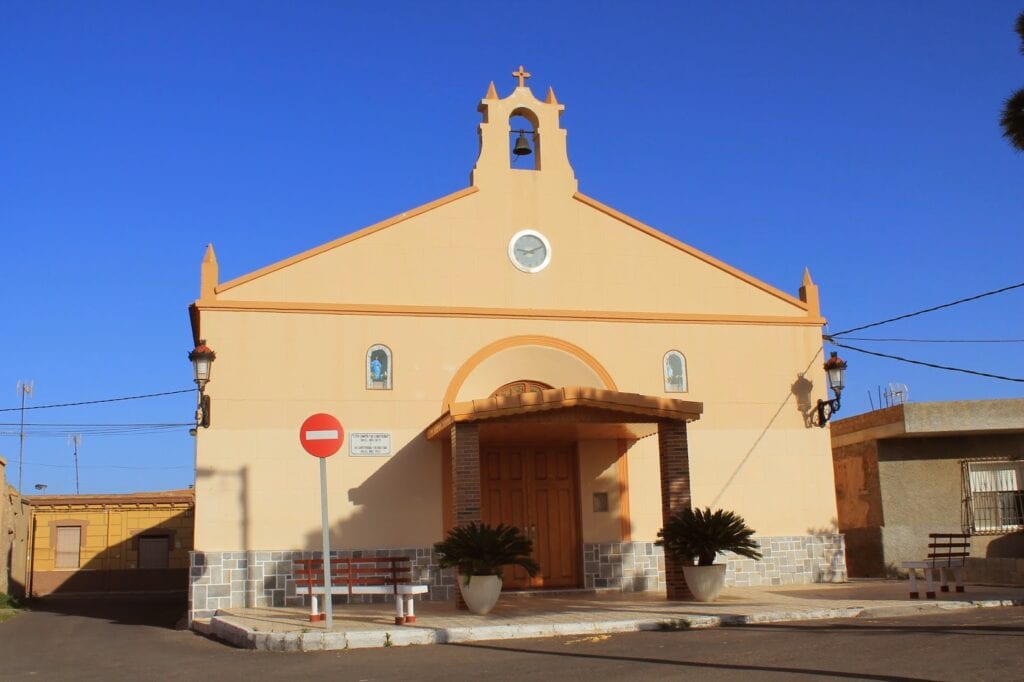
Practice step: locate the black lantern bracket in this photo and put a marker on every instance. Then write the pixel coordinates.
(835, 370)
(202, 357)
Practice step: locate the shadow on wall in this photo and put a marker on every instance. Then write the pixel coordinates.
(14, 587)
(1007, 547)
(864, 556)
(242, 475)
(115, 568)
(835, 562)
(16, 517)
(394, 497)
(801, 389)
(830, 529)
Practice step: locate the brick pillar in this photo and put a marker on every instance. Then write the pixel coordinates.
(466, 473)
(465, 480)
(674, 459)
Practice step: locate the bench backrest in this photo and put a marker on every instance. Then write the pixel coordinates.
(353, 572)
(948, 548)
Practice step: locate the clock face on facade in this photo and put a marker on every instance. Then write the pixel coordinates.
(529, 251)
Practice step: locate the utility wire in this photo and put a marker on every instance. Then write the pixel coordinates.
(85, 426)
(926, 364)
(50, 433)
(94, 402)
(868, 338)
(104, 466)
(927, 310)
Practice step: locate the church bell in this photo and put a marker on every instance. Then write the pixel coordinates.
(522, 147)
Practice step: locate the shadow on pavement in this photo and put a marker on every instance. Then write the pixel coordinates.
(794, 671)
(161, 611)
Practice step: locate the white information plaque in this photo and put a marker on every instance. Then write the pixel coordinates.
(373, 444)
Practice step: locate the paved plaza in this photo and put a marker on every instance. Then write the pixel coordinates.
(537, 615)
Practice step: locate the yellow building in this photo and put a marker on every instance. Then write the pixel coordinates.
(515, 351)
(138, 542)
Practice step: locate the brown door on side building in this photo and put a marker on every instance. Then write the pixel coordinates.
(536, 489)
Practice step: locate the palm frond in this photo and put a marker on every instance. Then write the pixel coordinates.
(1012, 119)
(481, 549)
(702, 534)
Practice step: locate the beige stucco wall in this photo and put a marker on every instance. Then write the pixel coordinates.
(436, 286)
(599, 473)
(446, 255)
(919, 497)
(257, 489)
(921, 491)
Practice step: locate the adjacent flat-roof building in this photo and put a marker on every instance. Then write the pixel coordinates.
(908, 470)
(131, 542)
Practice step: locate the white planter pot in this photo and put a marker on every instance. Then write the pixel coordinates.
(481, 592)
(705, 582)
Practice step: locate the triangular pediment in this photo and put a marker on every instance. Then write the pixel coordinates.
(454, 253)
(458, 255)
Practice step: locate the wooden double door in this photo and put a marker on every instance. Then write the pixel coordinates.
(535, 488)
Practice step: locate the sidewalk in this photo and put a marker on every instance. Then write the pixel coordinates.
(538, 615)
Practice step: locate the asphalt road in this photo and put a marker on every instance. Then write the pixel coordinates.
(135, 640)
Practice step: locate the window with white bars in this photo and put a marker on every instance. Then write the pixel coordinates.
(993, 496)
(69, 547)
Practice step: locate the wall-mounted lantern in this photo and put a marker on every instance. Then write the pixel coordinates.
(835, 369)
(202, 357)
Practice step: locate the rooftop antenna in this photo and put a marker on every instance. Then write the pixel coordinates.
(897, 393)
(41, 487)
(25, 388)
(76, 440)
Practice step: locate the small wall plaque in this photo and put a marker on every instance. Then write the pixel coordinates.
(600, 502)
(369, 444)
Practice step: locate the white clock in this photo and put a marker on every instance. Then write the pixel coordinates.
(529, 250)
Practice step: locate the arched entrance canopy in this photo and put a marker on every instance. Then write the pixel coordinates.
(549, 417)
(568, 413)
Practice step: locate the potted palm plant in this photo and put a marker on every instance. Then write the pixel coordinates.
(479, 552)
(701, 535)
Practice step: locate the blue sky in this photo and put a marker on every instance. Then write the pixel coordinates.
(859, 140)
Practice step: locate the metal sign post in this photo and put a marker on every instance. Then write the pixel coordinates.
(321, 435)
(328, 582)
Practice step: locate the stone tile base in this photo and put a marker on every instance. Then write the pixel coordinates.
(788, 560)
(222, 580)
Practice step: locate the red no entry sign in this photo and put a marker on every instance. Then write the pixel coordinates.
(321, 435)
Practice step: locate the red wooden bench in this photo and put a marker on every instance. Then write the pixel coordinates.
(363, 575)
(946, 552)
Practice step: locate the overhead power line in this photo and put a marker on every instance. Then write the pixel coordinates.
(116, 431)
(927, 310)
(106, 466)
(926, 364)
(95, 402)
(103, 425)
(869, 338)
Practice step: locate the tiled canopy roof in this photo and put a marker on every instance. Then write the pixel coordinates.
(585, 407)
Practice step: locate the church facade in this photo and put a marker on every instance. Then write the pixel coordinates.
(514, 352)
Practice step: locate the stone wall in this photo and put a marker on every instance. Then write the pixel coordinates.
(222, 580)
(14, 529)
(787, 560)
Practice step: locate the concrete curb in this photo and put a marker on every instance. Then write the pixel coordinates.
(226, 628)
